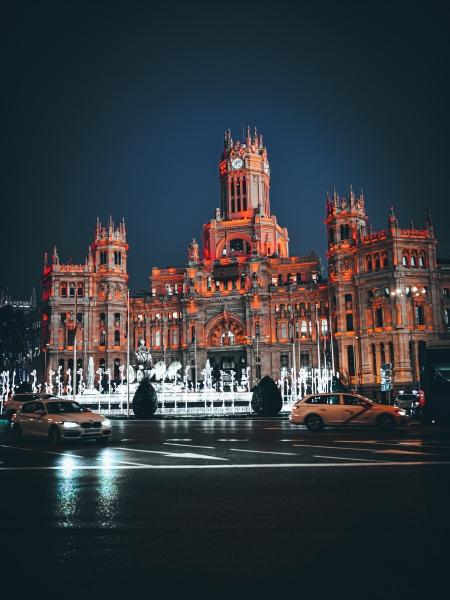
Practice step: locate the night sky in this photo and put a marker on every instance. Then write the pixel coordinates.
(120, 108)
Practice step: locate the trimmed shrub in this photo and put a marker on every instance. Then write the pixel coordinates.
(145, 400)
(266, 399)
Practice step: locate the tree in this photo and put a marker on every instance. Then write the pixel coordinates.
(266, 399)
(145, 400)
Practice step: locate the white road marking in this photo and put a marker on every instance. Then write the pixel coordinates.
(333, 465)
(232, 440)
(173, 454)
(413, 452)
(128, 440)
(344, 458)
(179, 439)
(17, 448)
(263, 452)
(62, 454)
(188, 445)
(123, 462)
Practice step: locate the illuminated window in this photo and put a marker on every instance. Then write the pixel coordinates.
(304, 329)
(175, 337)
(158, 338)
(102, 338)
(420, 315)
(422, 261)
(413, 261)
(447, 316)
(324, 326)
(283, 331)
(405, 260)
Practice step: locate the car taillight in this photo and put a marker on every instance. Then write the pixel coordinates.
(422, 398)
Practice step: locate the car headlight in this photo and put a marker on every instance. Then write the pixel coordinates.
(69, 425)
(106, 423)
(402, 412)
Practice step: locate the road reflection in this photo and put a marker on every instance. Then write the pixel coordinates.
(72, 483)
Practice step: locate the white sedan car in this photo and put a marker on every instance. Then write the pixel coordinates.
(57, 420)
(316, 411)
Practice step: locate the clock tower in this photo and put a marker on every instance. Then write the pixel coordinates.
(244, 177)
(243, 225)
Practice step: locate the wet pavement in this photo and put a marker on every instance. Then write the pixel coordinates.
(242, 506)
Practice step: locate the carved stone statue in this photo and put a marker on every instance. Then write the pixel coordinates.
(193, 255)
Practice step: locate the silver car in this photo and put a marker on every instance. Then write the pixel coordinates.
(58, 420)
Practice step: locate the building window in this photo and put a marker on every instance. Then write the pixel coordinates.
(284, 361)
(103, 257)
(102, 317)
(384, 260)
(116, 337)
(80, 290)
(413, 261)
(63, 317)
(382, 354)
(422, 263)
(72, 290)
(379, 317)
(405, 260)
(280, 279)
(351, 361)
(376, 260)
(447, 317)
(420, 315)
(349, 321)
(299, 278)
(391, 353)
(175, 337)
(158, 338)
(117, 319)
(345, 232)
(374, 359)
(64, 289)
(283, 331)
(102, 338)
(117, 257)
(368, 263)
(79, 317)
(324, 326)
(348, 299)
(217, 284)
(445, 292)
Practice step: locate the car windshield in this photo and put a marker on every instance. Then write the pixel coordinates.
(55, 408)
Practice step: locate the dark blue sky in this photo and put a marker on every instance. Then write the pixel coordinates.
(120, 108)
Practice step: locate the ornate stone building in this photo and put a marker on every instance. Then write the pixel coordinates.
(243, 301)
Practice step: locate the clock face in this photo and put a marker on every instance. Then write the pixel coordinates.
(266, 167)
(237, 163)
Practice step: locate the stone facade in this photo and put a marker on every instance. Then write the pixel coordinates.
(243, 301)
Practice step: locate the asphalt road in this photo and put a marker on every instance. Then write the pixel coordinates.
(247, 507)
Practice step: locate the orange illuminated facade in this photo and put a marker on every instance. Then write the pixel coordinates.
(242, 301)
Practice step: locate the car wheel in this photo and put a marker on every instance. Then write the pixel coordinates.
(54, 436)
(17, 436)
(314, 423)
(386, 422)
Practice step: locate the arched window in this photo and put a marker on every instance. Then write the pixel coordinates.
(324, 326)
(288, 279)
(422, 262)
(102, 338)
(175, 337)
(368, 262)
(420, 315)
(116, 337)
(384, 260)
(64, 289)
(405, 260)
(72, 290)
(283, 331)
(376, 260)
(117, 369)
(80, 289)
(103, 257)
(413, 261)
(158, 338)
